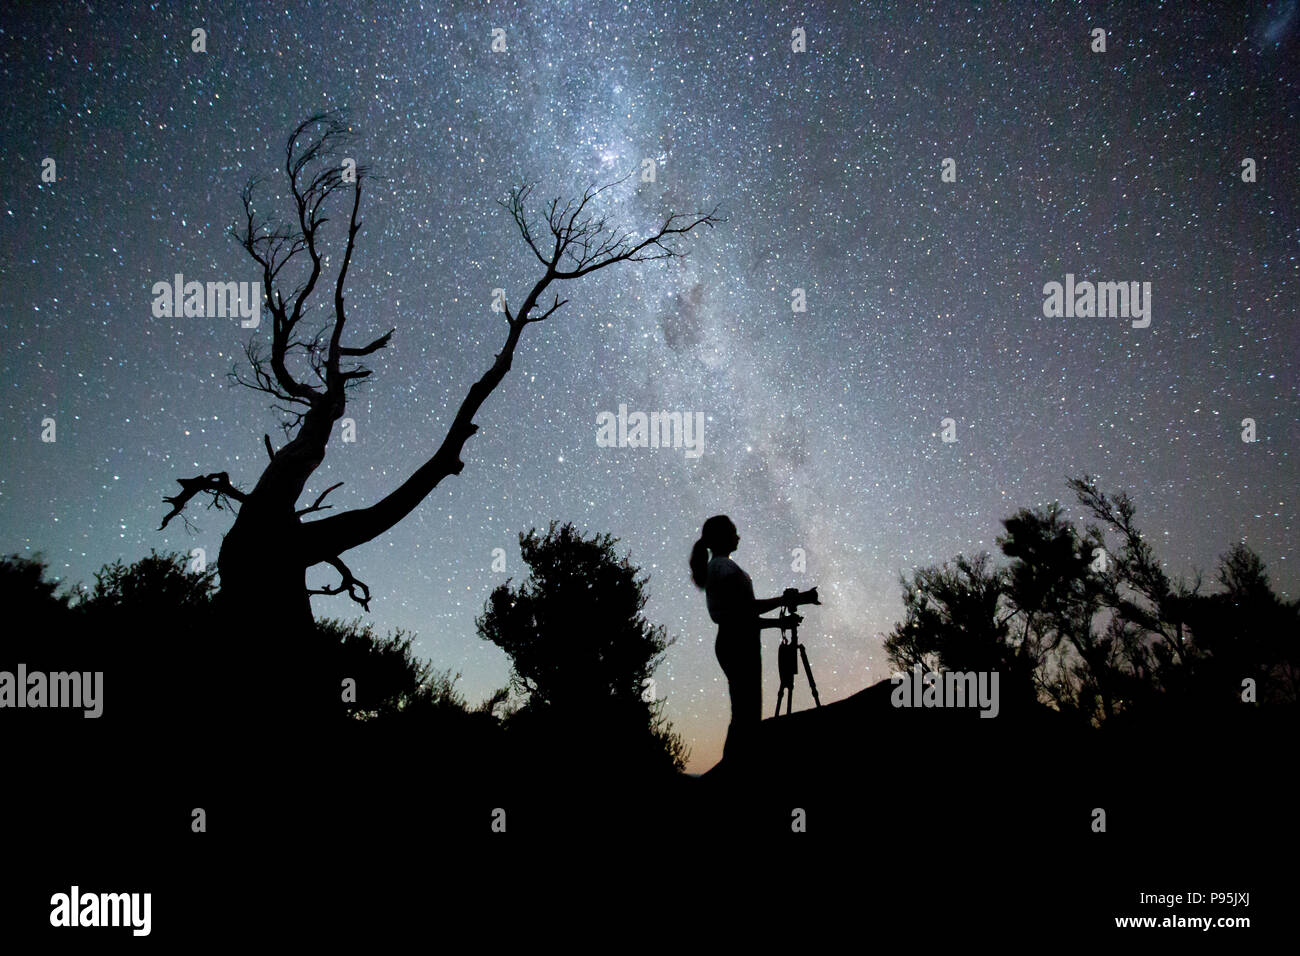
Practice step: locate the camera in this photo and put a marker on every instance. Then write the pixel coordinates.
(791, 598)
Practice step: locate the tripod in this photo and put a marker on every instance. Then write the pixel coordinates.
(787, 663)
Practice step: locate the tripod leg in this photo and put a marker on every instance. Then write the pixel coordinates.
(808, 670)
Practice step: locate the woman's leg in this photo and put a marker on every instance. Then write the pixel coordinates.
(747, 700)
(742, 663)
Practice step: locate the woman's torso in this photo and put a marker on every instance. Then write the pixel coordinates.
(729, 593)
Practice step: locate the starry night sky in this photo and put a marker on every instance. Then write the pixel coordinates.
(822, 428)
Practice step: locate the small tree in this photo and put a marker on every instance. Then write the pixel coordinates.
(955, 619)
(582, 652)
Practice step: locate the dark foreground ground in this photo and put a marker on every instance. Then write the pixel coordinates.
(926, 823)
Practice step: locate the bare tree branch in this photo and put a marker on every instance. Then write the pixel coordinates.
(216, 484)
(515, 206)
(332, 374)
(316, 505)
(314, 175)
(374, 346)
(588, 241)
(348, 583)
(549, 312)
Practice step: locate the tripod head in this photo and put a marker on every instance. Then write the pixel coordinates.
(791, 598)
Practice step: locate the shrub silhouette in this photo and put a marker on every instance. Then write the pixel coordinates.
(1101, 632)
(149, 626)
(160, 583)
(582, 653)
(390, 680)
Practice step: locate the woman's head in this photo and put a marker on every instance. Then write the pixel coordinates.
(718, 536)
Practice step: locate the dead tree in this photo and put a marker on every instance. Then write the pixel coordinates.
(266, 553)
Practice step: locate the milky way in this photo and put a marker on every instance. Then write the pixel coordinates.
(823, 428)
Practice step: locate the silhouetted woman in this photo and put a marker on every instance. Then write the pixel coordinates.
(733, 607)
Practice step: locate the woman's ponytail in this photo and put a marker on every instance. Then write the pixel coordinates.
(700, 563)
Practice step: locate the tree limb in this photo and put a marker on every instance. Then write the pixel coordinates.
(314, 176)
(216, 484)
(334, 383)
(316, 505)
(348, 583)
(549, 312)
(374, 346)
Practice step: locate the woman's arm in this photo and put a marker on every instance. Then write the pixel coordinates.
(763, 605)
